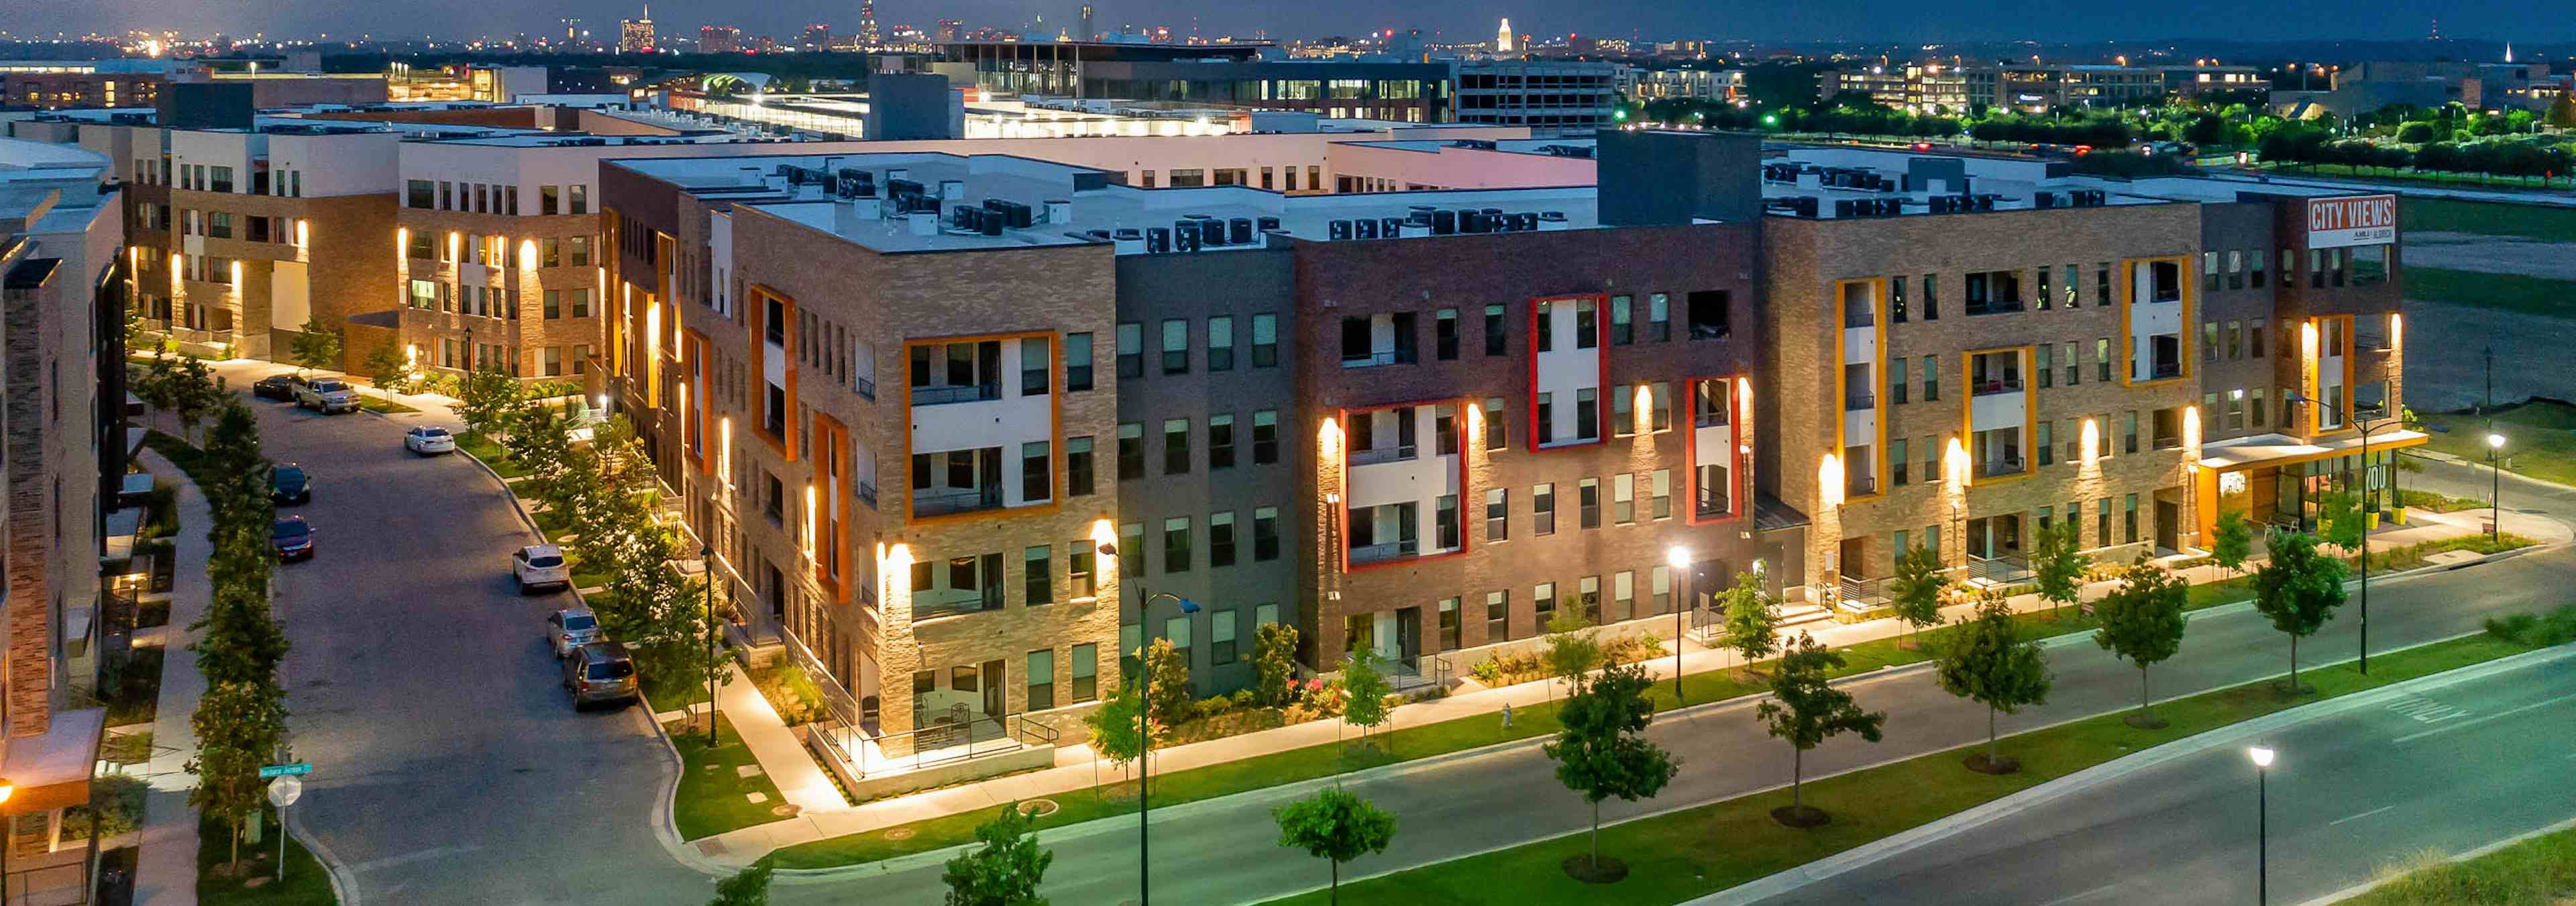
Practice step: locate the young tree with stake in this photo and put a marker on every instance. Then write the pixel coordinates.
(1334, 825)
(316, 346)
(1368, 689)
(1805, 710)
(1750, 626)
(1117, 730)
(2233, 542)
(1915, 591)
(1573, 649)
(1988, 661)
(1601, 749)
(2057, 565)
(2142, 622)
(2298, 589)
(1006, 871)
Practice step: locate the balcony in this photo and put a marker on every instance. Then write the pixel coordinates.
(868, 494)
(2005, 306)
(960, 393)
(950, 602)
(2367, 342)
(1992, 386)
(1383, 455)
(2167, 442)
(1860, 486)
(1857, 401)
(2011, 465)
(951, 501)
(1380, 553)
(2161, 370)
(1375, 359)
(1857, 316)
(867, 389)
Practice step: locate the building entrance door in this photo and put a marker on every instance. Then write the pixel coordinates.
(2168, 526)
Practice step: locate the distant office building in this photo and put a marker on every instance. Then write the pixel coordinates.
(868, 36)
(2186, 81)
(1503, 36)
(949, 30)
(1554, 96)
(636, 35)
(818, 36)
(1086, 33)
(1694, 84)
(719, 39)
(1221, 75)
(2040, 86)
(58, 84)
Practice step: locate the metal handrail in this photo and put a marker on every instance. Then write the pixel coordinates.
(1857, 401)
(1370, 361)
(1383, 455)
(979, 601)
(867, 389)
(1993, 467)
(1998, 570)
(942, 502)
(1996, 385)
(1381, 552)
(961, 393)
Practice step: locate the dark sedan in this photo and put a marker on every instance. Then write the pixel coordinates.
(287, 484)
(292, 538)
(274, 387)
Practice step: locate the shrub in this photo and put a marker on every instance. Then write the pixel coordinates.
(1487, 672)
(2557, 627)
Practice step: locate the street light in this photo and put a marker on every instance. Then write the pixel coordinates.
(1681, 559)
(1145, 732)
(707, 568)
(2495, 493)
(2262, 825)
(2366, 427)
(8, 827)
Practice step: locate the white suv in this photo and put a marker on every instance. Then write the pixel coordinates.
(540, 566)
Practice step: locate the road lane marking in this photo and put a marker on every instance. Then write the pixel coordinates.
(2500, 714)
(2425, 710)
(2360, 816)
(2087, 895)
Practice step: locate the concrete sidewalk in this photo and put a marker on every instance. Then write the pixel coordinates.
(800, 781)
(166, 873)
(1074, 768)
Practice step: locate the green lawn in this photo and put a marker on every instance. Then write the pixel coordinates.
(1406, 744)
(711, 798)
(664, 694)
(2539, 870)
(2411, 175)
(2540, 439)
(2486, 218)
(305, 884)
(484, 448)
(186, 456)
(381, 404)
(2543, 296)
(2440, 503)
(1710, 848)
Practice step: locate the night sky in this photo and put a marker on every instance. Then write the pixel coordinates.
(1450, 20)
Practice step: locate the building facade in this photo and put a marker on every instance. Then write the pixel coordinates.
(1550, 96)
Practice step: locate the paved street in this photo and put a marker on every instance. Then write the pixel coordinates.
(2445, 770)
(448, 766)
(1507, 797)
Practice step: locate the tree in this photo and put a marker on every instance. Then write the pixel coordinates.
(2298, 589)
(2562, 113)
(316, 346)
(1804, 711)
(2057, 564)
(1006, 872)
(2340, 522)
(1915, 591)
(2142, 622)
(2233, 542)
(1573, 649)
(1117, 729)
(387, 367)
(1601, 748)
(542, 444)
(1169, 694)
(487, 398)
(1274, 663)
(1987, 660)
(192, 395)
(748, 887)
(1751, 624)
(238, 726)
(1368, 689)
(1334, 825)
(156, 386)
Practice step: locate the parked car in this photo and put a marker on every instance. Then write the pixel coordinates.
(287, 484)
(540, 566)
(328, 395)
(292, 538)
(570, 628)
(600, 672)
(429, 440)
(274, 387)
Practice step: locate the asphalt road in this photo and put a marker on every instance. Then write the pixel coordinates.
(2445, 770)
(1226, 851)
(448, 765)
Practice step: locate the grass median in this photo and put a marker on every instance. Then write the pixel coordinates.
(489, 451)
(714, 795)
(2543, 296)
(1702, 850)
(2539, 439)
(383, 405)
(1423, 741)
(2486, 218)
(2539, 870)
(305, 884)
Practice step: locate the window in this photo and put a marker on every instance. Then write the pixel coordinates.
(1896, 462)
(1176, 446)
(1496, 435)
(1896, 385)
(1086, 669)
(1623, 327)
(1659, 317)
(1587, 325)
(2102, 521)
(1498, 511)
(1037, 575)
(1041, 670)
(1131, 451)
(1265, 534)
(1931, 298)
(1587, 496)
(1034, 367)
(1498, 616)
(1131, 350)
(1896, 300)
(1663, 492)
(2254, 338)
(1546, 417)
(1077, 362)
(2254, 408)
(1449, 624)
(577, 250)
(1220, 339)
(2102, 283)
(549, 199)
(1659, 588)
(1708, 314)
(1444, 429)
(1623, 417)
(1037, 472)
(1543, 510)
(1176, 544)
(1543, 603)
(2129, 432)
(1444, 334)
(1176, 346)
(1587, 413)
(2254, 267)
(2102, 359)
(2040, 440)
(1497, 336)
(1221, 441)
(2129, 521)
(419, 195)
(2209, 340)
(1265, 437)
(2074, 371)
(580, 198)
(1931, 378)
(1265, 341)
(1077, 466)
(1221, 644)
(1660, 394)
(1623, 499)
(1545, 325)
(2043, 364)
(1221, 539)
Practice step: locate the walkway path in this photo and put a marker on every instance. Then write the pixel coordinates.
(166, 874)
(800, 781)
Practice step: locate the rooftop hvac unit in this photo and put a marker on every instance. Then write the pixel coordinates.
(1158, 240)
(952, 189)
(1986, 202)
(1410, 230)
(1238, 231)
(1338, 230)
(1059, 210)
(994, 221)
(1551, 220)
(924, 223)
(1842, 207)
(1185, 239)
(1364, 228)
(901, 173)
(1805, 205)
(1211, 232)
(1266, 224)
(897, 185)
(1444, 222)
(1390, 227)
(1128, 240)
(2043, 199)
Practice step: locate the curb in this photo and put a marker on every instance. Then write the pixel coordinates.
(1905, 841)
(2368, 886)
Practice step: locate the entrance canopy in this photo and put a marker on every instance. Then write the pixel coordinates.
(2280, 449)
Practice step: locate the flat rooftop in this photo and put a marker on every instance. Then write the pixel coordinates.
(1084, 202)
(1834, 182)
(1544, 147)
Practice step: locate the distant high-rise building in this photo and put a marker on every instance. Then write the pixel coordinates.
(572, 29)
(818, 36)
(636, 35)
(868, 23)
(1503, 37)
(719, 39)
(949, 30)
(1086, 33)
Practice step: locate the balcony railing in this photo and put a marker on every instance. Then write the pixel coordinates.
(1865, 592)
(1379, 553)
(2004, 570)
(1372, 360)
(953, 602)
(1860, 486)
(1853, 402)
(2161, 370)
(1857, 318)
(1993, 467)
(962, 393)
(1994, 308)
(867, 389)
(950, 501)
(868, 494)
(2367, 342)
(1991, 386)
(1383, 454)
(2167, 442)
(2165, 294)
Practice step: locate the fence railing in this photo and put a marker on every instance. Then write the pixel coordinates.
(1996, 385)
(1999, 570)
(1419, 671)
(1865, 592)
(1375, 553)
(942, 502)
(963, 393)
(957, 734)
(1383, 454)
(927, 605)
(2011, 465)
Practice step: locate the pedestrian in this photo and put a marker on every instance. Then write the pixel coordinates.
(1507, 715)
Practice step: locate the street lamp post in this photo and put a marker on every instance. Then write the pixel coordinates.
(2366, 427)
(1681, 559)
(2495, 491)
(1145, 735)
(707, 568)
(2262, 825)
(8, 829)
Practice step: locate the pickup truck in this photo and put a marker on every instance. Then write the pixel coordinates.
(326, 394)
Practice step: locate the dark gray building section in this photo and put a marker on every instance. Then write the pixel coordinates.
(1204, 384)
(2238, 273)
(1651, 178)
(205, 105)
(912, 106)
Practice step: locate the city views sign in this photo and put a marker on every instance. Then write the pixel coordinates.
(2352, 220)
